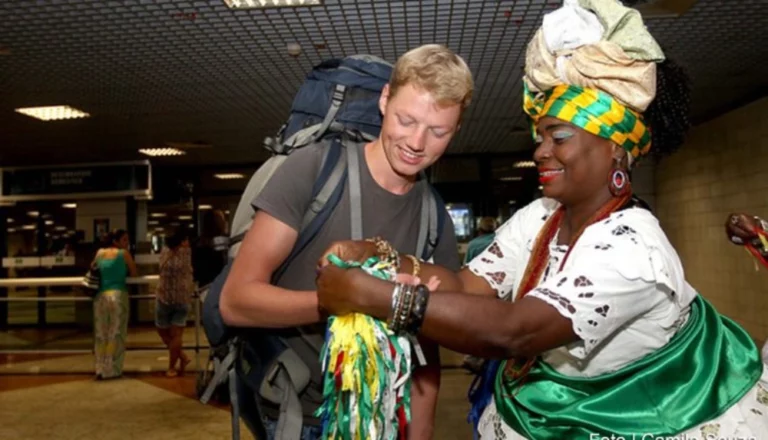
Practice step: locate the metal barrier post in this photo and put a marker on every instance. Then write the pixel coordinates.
(42, 283)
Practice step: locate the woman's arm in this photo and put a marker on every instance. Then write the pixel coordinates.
(481, 326)
(461, 281)
(132, 271)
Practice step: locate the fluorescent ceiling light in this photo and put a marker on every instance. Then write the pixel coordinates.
(53, 113)
(205, 207)
(191, 226)
(229, 176)
(69, 205)
(11, 230)
(29, 227)
(60, 228)
(246, 4)
(525, 164)
(185, 217)
(49, 222)
(153, 222)
(158, 214)
(154, 152)
(9, 220)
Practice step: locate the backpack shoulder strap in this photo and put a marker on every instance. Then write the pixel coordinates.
(355, 192)
(326, 193)
(432, 221)
(331, 174)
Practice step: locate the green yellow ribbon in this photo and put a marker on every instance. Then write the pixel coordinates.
(594, 111)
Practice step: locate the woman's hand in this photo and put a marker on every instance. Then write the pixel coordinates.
(342, 291)
(349, 250)
(742, 226)
(337, 292)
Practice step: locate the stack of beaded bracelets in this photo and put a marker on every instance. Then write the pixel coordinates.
(409, 305)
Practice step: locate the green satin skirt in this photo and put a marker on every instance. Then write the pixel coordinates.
(706, 368)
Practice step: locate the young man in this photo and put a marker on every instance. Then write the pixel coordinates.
(422, 107)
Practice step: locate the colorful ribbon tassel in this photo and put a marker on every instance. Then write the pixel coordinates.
(367, 387)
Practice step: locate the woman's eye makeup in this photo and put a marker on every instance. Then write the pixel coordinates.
(562, 135)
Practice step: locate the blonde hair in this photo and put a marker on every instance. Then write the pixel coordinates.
(436, 69)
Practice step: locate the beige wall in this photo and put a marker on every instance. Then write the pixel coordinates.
(722, 168)
(90, 210)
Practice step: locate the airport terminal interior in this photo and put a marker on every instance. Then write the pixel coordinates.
(151, 116)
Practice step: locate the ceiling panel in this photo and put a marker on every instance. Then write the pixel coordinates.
(152, 72)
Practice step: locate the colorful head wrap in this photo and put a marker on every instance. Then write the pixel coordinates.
(594, 111)
(593, 64)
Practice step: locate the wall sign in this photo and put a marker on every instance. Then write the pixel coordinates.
(100, 229)
(122, 179)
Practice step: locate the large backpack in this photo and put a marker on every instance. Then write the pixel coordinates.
(336, 109)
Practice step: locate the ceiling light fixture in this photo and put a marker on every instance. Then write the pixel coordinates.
(229, 176)
(69, 205)
(185, 217)
(511, 179)
(525, 164)
(29, 227)
(34, 213)
(204, 207)
(60, 228)
(158, 214)
(49, 222)
(249, 4)
(53, 113)
(155, 152)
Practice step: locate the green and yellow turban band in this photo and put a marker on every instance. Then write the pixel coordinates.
(594, 111)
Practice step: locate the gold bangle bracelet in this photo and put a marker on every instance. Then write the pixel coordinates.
(416, 265)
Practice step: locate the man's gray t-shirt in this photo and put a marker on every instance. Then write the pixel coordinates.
(396, 218)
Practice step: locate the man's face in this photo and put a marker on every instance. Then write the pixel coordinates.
(416, 130)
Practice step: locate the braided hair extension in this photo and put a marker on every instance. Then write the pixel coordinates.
(668, 115)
